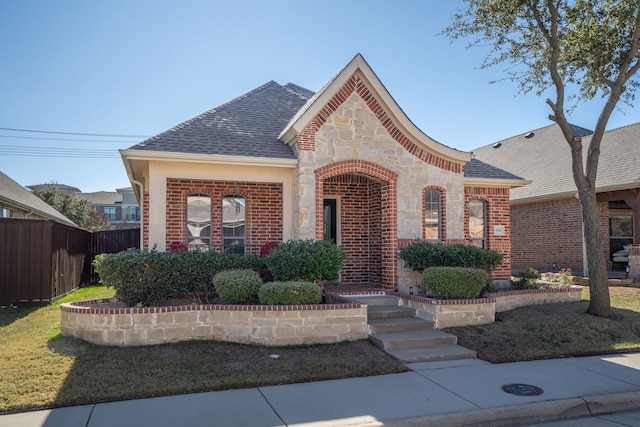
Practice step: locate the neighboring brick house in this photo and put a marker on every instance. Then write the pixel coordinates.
(345, 164)
(17, 201)
(546, 220)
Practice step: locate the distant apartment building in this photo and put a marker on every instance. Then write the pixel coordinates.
(120, 206)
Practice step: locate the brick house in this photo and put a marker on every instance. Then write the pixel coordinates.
(344, 164)
(546, 220)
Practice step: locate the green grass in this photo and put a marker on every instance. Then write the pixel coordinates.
(41, 368)
(557, 330)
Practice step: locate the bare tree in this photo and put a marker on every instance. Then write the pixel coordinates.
(580, 49)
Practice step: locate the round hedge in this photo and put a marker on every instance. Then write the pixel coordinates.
(289, 293)
(238, 286)
(455, 282)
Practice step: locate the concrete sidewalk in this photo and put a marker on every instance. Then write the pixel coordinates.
(456, 393)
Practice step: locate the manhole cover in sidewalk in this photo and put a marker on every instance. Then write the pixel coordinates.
(522, 389)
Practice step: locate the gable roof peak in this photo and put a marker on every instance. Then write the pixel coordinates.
(359, 66)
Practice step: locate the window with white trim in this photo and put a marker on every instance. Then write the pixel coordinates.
(199, 221)
(478, 223)
(432, 215)
(234, 224)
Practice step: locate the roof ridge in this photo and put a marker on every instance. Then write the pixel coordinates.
(302, 92)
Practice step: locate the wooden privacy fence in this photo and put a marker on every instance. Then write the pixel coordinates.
(109, 242)
(41, 260)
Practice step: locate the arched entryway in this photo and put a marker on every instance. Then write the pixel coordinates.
(356, 205)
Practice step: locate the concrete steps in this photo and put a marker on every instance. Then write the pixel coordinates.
(397, 330)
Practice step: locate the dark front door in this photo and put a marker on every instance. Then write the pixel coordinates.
(330, 221)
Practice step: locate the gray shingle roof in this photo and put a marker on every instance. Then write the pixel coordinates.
(545, 159)
(248, 125)
(14, 194)
(478, 169)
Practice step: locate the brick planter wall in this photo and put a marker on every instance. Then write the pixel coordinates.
(481, 311)
(452, 313)
(262, 325)
(510, 300)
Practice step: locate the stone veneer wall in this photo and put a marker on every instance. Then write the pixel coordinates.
(262, 325)
(481, 311)
(510, 300)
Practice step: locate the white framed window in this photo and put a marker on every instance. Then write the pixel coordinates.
(432, 215)
(199, 221)
(234, 224)
(478, 223)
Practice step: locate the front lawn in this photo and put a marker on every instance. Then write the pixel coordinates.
(557, 330)
(41, 368)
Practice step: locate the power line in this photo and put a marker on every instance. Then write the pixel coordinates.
(13, 150)
(66, 139)
(75, 133)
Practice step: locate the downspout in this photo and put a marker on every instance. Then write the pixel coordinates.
(140, 186)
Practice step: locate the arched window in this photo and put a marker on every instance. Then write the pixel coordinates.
(233, 224)
(199, 221)
(478, 223)
(432, 215)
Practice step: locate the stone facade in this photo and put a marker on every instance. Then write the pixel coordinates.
(260, 325)
(510, 300)
(481, 311)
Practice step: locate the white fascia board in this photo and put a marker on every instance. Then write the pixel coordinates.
(493, 182)
(617, 187)
(545, 198)
(168, 156)
(359, 64)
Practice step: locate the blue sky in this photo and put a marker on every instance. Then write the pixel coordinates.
(122, 67)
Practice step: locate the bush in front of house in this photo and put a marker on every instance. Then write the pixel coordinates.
(143, 277)
(454, 282)
(422, 255)
(526, 280)
(307, 260)
(238, 286)
(140, 277)
(289, 293)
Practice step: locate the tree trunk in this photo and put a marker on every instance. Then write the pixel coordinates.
(600, 303)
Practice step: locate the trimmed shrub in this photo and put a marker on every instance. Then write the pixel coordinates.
(422, 255)
(286, 293)
(139, 276)
(238, 286)
(143, 277)
(306, 260)
(526, 280)
(454, 282)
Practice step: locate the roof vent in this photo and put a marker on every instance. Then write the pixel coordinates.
(529, 135)
(497, 145)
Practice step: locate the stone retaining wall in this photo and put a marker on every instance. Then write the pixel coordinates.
(510, 300)
(451, 313)
(262, 325)
(480, 311)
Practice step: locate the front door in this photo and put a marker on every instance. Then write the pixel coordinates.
(330, 220)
